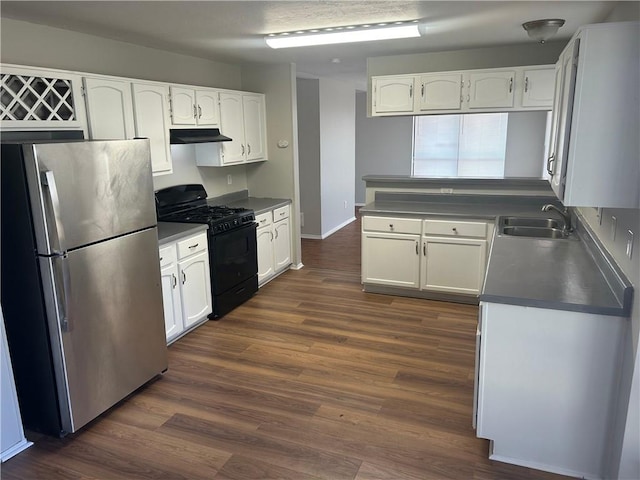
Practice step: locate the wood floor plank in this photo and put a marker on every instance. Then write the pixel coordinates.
(311, 379)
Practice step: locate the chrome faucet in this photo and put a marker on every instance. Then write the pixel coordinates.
(566, 216)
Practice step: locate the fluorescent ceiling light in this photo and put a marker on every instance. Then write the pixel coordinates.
(356, 33)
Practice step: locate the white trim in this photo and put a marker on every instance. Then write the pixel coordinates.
(299, 266)
(360, 204)
(330, 232)
(311, 237)
(543, 467)
(15, 449)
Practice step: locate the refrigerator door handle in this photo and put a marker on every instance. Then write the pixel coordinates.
(49, 180)
(64, 289)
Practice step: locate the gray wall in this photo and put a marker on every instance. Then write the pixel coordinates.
(383, 145)
(524, 156)
(42, 46)
(309, 154)
(337, 152)
(277, 177)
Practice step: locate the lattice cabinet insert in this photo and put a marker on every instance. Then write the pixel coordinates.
(38, 101)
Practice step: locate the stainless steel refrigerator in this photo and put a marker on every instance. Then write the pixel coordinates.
(80, 282)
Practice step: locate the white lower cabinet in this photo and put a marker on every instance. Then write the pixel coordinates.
(186, 284)
(430, 255)
(546, 386)
(274, 243)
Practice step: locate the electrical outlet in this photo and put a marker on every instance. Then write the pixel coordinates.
(614, 224)
(229, 179)
(629, 250)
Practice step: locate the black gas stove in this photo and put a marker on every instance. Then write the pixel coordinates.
(233, 257)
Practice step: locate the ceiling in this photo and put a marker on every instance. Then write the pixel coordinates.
(233, 31)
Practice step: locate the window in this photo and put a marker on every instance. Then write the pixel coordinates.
(471, 145)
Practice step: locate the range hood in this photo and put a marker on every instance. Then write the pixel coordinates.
(196, 135)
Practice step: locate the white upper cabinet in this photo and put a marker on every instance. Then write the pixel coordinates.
(491, 89)
(595, 148)
(34, 98)
(393, 94)
(194, 107)
(440, 91)
(538, 87)
(242, 118)
(465, 91)
(109, 109)
(151, 114)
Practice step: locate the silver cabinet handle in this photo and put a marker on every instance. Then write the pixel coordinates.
(417, 251)
(271, 236)
(410, 91)
(455, 230)
(424, 248)
(49, 180)
(391, 226)
(526, 84)
(184, 277)
(175, 280)
(248, 149)
(199, 111)
(160, 258)
(422, 91)
(195, 111)
(511, 85)
(276, 233)
(242, 146)
(194, 246)
(550, 161)
(65, 321)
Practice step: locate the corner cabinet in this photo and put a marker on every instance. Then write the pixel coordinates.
(242, 118)
(470, 91)
(429, 256)
(274, 243)
(596, 119)
(186, 284)
(546, 386)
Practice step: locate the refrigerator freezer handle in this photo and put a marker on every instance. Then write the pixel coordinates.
(49, 180)
(64, 290)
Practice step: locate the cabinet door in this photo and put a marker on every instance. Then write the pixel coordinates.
(454, 265)
(232, 125)
(569, 67)
(389, 259)
(440, 92)
(281, 244)
(392, 94)
(207, 108)
(255, 129)
(265, 237)
(195, 287)
(109, 109)
(151, 113)
(491, 89)
(171, 301)
(538, 88)
(183, 106)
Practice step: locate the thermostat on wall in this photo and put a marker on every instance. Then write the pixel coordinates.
(283, 144)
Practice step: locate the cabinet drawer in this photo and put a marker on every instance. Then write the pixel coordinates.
(281, 213)
(191, 245)
(390, 224)
(455, 228)
(264, 219)
(167, 255)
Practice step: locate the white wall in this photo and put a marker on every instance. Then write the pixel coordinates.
(309, 154)
(337, 153)
(383, 145)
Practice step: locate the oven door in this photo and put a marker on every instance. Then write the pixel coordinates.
(234, 258)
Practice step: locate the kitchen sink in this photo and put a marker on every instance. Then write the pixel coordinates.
(530, 222)
(535, 232)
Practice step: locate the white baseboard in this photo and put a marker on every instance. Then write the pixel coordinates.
(360, 204)
(329, 233)
(311, 237)
(297, 267)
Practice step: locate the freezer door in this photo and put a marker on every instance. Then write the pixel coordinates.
(86, 192)
(104, 304)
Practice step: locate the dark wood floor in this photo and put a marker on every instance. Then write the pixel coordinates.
(310, 379)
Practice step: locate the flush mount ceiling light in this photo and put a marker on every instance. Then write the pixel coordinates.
(543, 30)
(348, 34)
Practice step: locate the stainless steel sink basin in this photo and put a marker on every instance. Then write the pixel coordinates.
(535, 232)
(530, 222)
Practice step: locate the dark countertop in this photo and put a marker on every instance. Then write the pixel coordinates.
(170, 231)
(555, 274)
